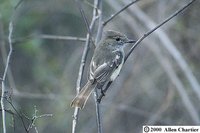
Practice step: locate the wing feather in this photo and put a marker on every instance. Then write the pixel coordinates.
(104, 71)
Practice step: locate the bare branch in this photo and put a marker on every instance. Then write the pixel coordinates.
(158, 26)
(18, 4)
(10, 29)
(117, 13)
(98, 11)
(56, 37)
(47, 36)
(98, 112)
(168, 44)
(4, 75)
(8, 111)
(18, 114)
(147, 34)
(86, 20)
(83, 15)
(172, 75)
(34, 118)
(4, 54)
(100, 24)
(83, 60)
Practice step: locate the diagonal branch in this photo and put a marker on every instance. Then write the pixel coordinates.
(147, 34)
(19, 115)
(117, 13)
(86, 20)
(158, 26)
(168, 44)
(83, 15)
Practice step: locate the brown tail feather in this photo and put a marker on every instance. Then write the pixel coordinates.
(82, 97)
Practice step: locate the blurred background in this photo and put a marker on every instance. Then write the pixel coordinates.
(159, 84)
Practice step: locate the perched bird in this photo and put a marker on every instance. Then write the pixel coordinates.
(105, 66)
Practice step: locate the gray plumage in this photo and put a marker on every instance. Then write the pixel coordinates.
(105, 65)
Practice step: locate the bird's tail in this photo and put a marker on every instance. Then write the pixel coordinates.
(82, 97)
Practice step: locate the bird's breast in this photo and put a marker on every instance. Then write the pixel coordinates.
(116, 72)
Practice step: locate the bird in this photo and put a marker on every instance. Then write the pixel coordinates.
(105, 65)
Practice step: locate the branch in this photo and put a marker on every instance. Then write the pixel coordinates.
(83, 60)
(18, 4)
(83, 16)
(10, 29)
(158, 26)
(55, 37)
(147, 34)
(34, 118)
(86, 20)
(46, 36)
(18, 114)
(8, 111)
(98, 11)
(171, 74)
(168, 44)
(4, 75)
(100, 24)
(98, 111)
(4, 54)
(117, 13)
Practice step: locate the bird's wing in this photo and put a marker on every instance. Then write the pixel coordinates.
(102, 72)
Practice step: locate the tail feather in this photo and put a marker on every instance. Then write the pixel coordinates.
(82, 97)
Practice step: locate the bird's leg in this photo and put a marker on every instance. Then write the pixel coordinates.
(103, 91)
(100, 87)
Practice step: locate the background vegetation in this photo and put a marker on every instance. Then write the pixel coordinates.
(153, 87)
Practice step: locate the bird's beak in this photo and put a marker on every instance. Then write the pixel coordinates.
(131, 41)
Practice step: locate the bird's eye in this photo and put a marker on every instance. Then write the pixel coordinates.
(117, 39)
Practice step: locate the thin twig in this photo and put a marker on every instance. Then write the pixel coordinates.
(18, 4)
(34, 118)
(10, 29)
(98, 11)
(46, 36)
(168, 44)
(117, 13)
(171, 74)
(100, 24)
(4, 54)
(56, 37)
(4, 75)
(86, 20)
(158, 26)
(147, 34)
(82, 64)
(83, 15)
(165, 62)
(18, 114)
(98, 112)
(8, 111)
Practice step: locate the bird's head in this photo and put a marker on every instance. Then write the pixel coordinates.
(115, 38)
